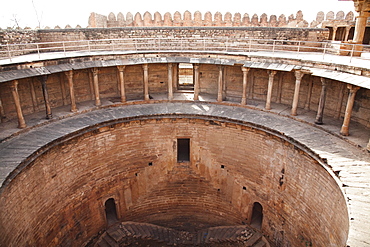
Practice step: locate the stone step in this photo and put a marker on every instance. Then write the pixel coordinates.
(111, 241)
(102, 243)
(260, 243)
(125, 231)
(254, 239)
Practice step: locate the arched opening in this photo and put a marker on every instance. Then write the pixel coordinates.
(257, 215)
(111, 211)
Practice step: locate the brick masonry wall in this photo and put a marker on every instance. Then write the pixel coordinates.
(59, 199)
(336, 99)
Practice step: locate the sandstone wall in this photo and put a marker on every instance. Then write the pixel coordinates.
(59, 199)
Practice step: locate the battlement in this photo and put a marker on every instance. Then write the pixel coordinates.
(217, 20)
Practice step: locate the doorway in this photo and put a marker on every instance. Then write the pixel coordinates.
(257, 216)
(186, 76)
(110, 211)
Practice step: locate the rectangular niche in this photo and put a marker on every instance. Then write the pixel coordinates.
(183, 150)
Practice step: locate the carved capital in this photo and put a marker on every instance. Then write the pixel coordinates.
(169, 65)
(69, 74)
(324, 82)
(95, 71)
(121, 68)
(272, 72)
(353, 88)
(14, 85)
(145, 67)
(298, 75)
(244, 69)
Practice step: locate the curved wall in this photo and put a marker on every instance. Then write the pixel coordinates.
(58, 200)
(32, 99)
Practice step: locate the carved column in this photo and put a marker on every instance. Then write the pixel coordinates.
(309, 94)
(63, 88)
(272, 73)
(17, 102)
(170, 82)
(175, 75)
(245, 82)
(360, 27)
(347, 116)
(340, 100)
(196, 82)
(334, 33)
(69, 75)
(96, 86)
(348, 28)
(280, 88)
(43, 80)
(220, 84)
(298, 75)
(320, 110)
(33, 96)
(146, 82)
(121, 70)
(2, 113)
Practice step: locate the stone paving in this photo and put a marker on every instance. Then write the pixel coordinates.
(352, 163)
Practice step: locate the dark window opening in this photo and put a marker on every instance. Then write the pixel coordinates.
(351, 33)
(111, 211)
(366, 39)
(257, 216)
(183, 150)
(150, 164)
(222, 166)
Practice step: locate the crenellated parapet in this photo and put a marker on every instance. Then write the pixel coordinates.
(197, 19)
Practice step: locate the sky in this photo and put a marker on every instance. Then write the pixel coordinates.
(33, 13)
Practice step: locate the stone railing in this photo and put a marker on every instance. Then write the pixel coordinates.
(223, 45)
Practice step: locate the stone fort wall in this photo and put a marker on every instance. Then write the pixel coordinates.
(61, 194)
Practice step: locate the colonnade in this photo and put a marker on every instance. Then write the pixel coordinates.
(220, 92)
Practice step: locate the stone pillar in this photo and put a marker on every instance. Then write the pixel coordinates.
(272, 73)
(175, 70)
(43, 80)
(121, 70)
(309, 94)
(69, 75)
(33, 96)
(298, 75)
(347, 116)
(334, 33)
(245, 82)
(196, 82)
(368, 146)
(96, 86)
(348, 28)
(63, 88)
(360, 27)
(17, 102)
(170, 82)
(2, 113)
(220, 84)
(146, 82)
(320, 110)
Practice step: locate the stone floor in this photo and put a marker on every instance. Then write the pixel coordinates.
(346, 155)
